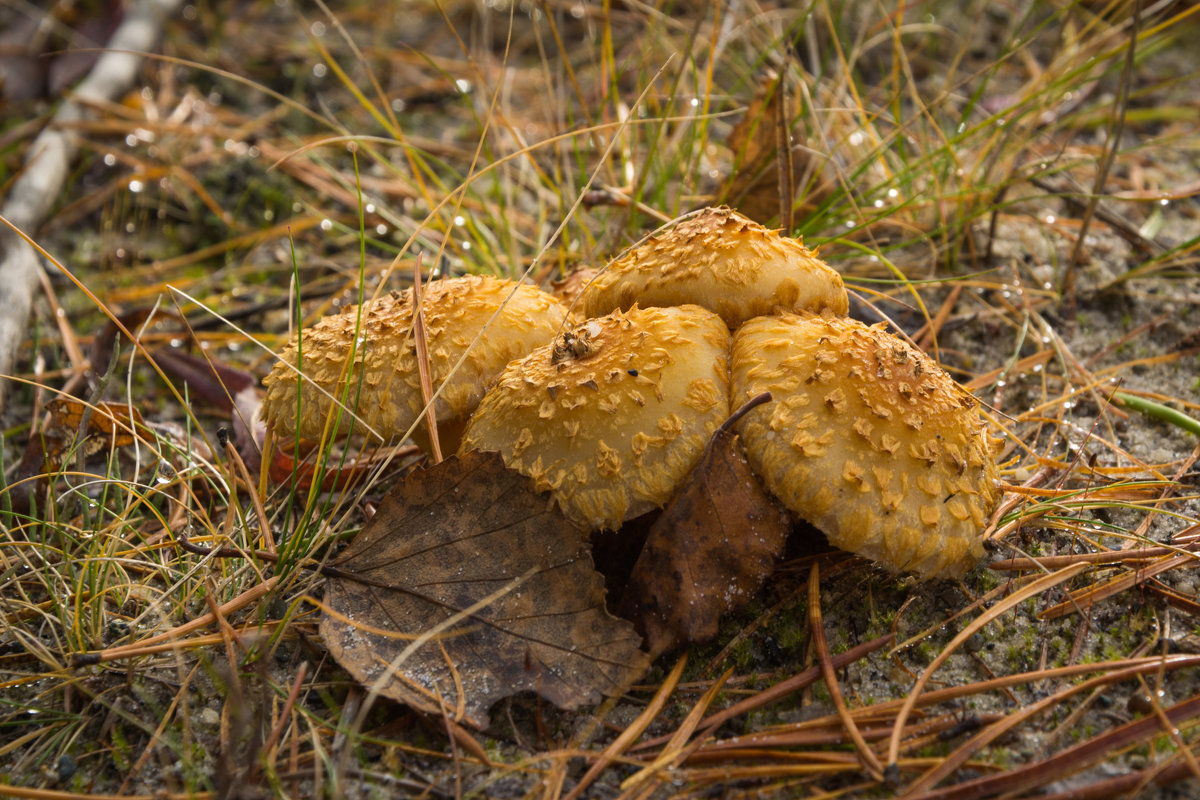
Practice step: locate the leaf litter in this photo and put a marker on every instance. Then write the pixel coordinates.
(1053, 534)
(710, 550)
(448, 537)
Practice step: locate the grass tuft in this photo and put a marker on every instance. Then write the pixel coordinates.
(1012, 187)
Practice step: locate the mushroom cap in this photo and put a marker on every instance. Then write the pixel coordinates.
(389, 399)
(723, 261)
(611, 417)
(867, 439)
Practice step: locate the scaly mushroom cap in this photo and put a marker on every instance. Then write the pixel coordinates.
(389, 398)
(867, 439)
(723, 261)
(611, 417)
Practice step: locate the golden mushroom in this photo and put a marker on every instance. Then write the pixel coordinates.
(868, 439)
(723, 261)
(612, 416)
(492, 321)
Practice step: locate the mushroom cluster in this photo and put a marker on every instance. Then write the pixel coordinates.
(866, 438)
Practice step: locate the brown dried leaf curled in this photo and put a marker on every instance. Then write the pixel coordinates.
(710, 550)
(753, 187)
(105, 426)
(446, 538)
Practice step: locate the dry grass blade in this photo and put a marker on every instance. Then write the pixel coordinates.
(1009, 186)
(1117, 126)
(644, 782)
(423, 364)
(1031, 590)
(1068, 761)
(171, 639)
(56, 794)
(1088, 596)
(778, 691)
(977, 742)
(865, 754)
(632, 732)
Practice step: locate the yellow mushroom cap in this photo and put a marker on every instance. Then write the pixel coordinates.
(867, 439)
(611, 417)
(723, 261)
(389, 398)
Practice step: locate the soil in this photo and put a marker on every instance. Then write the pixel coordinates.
(1108, 333)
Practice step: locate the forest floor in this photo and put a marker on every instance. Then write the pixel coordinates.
(1016, 187)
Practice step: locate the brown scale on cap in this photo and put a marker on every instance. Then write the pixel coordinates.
(611, 417)
(723, 261)
(868, 439)
(389, 398)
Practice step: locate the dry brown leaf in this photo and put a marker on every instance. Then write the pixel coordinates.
(711, 549)
(227, 388)
(753, 187)
(73, 429)
(106, 426)
(444, 540)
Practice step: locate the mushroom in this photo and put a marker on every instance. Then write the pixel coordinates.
(611, 416)
(868, 439)
(723, 261)
(383, 387)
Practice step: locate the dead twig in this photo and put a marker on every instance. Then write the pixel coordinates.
(35, 191)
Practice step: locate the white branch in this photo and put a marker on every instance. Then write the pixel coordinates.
(46, 165)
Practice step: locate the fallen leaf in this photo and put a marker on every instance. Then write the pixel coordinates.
(230, 389)
(104, 426)
(301, 463)
(73, 428)
(754, 187)
(468, 534)
(710, 551)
